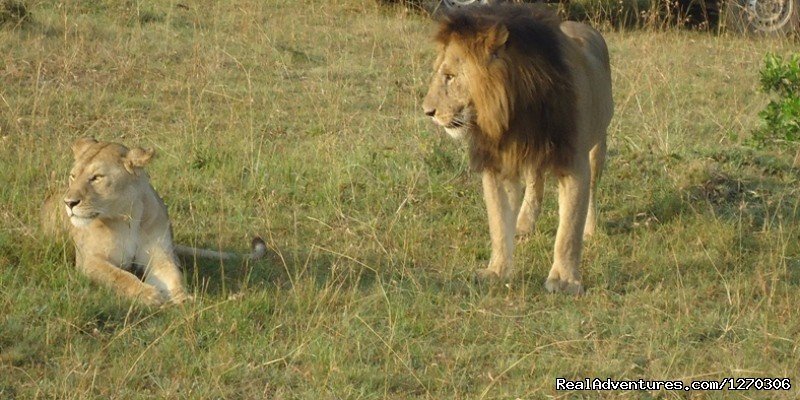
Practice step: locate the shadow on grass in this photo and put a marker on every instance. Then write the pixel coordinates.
(283, 269)
(752, 200)
(279, 268)
(663, 208)
(224, 278)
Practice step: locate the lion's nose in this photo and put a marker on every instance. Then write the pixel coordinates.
(429, 111)
(71, 202)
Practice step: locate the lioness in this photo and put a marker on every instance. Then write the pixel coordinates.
(118, 223)
(530, 94)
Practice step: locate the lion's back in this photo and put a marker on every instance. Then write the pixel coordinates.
(596, 66)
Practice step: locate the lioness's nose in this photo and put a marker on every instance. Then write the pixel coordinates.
(429, 111)
(71, 202)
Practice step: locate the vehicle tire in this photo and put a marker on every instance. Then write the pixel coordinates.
(461, 3)
(436, 6)
(764, 17)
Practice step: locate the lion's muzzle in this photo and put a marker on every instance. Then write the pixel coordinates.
(71, 203)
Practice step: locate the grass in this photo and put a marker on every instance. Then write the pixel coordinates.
(300, 121)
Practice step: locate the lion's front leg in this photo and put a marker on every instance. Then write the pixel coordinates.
(573, 203)
(164, 274)
(501, 226)
(121, 281)
(532, 202)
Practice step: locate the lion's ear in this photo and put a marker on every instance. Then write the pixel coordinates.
(138, 158)
(496, 37)
(80, 145)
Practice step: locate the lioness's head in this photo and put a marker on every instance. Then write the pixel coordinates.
(103, 180)
(469, 62)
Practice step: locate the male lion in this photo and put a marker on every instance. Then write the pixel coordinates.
(119, 223)
(530, 94)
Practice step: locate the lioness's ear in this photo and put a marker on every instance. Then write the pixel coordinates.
(80, 145)
(496, 37)
(137, 158)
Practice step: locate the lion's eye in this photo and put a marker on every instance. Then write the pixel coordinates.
(448, 78)
(95, 178)
(71, 177)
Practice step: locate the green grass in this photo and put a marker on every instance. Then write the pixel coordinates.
(301, 121)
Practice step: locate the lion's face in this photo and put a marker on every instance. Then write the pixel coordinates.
(448, 101)
(103, 180)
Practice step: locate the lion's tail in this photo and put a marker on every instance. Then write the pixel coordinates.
(258, 249)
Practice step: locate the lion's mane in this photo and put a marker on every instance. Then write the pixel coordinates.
(523, 94)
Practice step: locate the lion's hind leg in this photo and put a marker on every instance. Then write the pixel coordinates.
(532, 201)
(597, 158)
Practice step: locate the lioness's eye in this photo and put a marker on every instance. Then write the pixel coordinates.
(71, 177)
(448, 78)
(94, 178)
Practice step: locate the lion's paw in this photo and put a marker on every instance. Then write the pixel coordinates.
(181, 298)
(491, 275)
(151, 297)
(524, 229)
(486, 275)
(556, 285)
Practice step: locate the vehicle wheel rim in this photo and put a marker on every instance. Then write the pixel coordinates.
(769, 15)
(459, 3)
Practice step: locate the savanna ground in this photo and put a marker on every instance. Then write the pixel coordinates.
(301, 121)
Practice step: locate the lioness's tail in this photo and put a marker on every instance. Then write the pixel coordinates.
(258, 249)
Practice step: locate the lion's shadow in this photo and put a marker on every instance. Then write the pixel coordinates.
(279, 268)
(283, 269)
(726, 198)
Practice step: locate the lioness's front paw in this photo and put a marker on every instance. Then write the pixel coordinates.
(554, 285)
